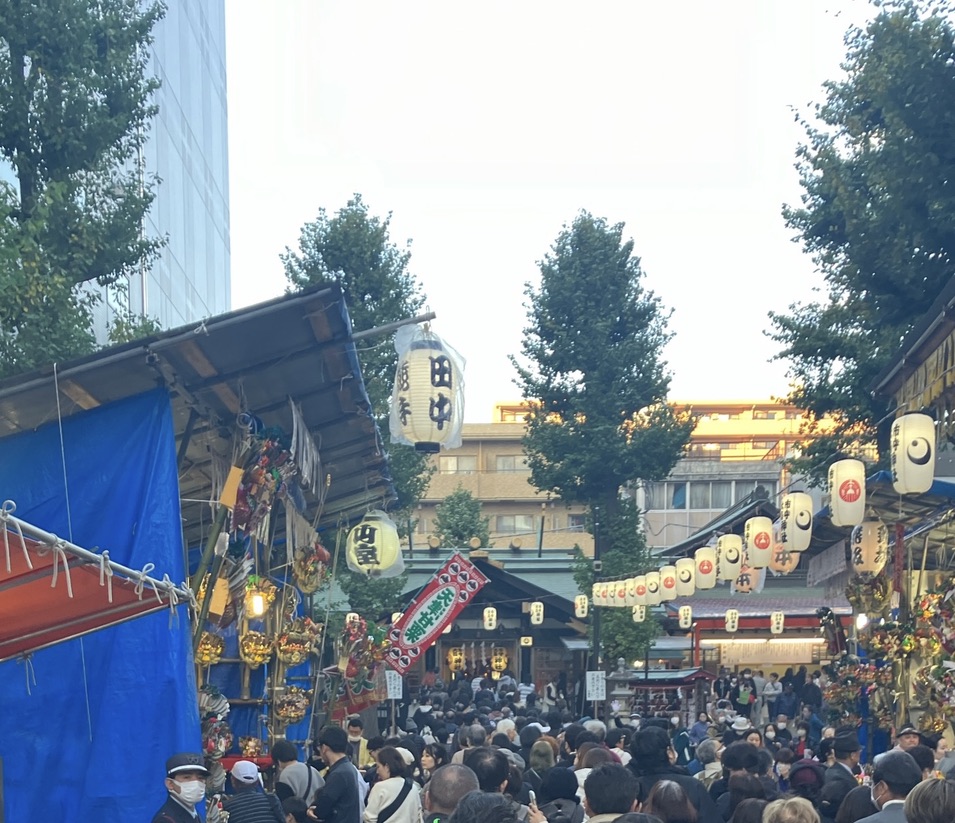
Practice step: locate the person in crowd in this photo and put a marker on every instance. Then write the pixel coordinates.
(856, 805)
(610, 791)
(790, 810)
(944, 757)
(470, 737)
(755, 738)
(433, 757)
(811, 694)
(292, 777)
(186, 775)
(742, 696)
(800, 742)
(784, 760)
(800, 679)
(925, 758)
(541, 760)
(493, 773)
(723, 684)
(783, 732)
(595, 756)
(698, 731)
(813, 726)
(618, 741)
(765, 772)
(894, 776)
(711, 768)
(739, 759)
(771, 692)
(669, 802)
(825, 753)
(770, 738)
(296, 810)
(741, 787)
(248, 803)
(528, 736)
(905, 739)
(749, 810)
(483, 807)
(558, 796)
(739, 728)
(788, 702)
(840, 777)
(680, 741)
(342, 798)
(448, 784)
(931, 801)
(806, 779)
(759, 706)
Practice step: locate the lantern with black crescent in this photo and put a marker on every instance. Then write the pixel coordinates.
(795, 520)
(913, 453)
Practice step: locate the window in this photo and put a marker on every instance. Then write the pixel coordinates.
(764, 444)
(721, 494)
(699, 495)
(576, 522)
(762, 414)
(509, 463)
(676, 495)
(457, 464)
(656, 495)
(669, 495)
(515, 523)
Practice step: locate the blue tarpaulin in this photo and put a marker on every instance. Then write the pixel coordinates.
(88, 740)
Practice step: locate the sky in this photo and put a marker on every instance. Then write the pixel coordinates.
(485, 128)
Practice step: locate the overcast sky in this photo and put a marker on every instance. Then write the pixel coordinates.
(484, 128)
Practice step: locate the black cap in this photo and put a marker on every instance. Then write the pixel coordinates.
(907, 730)
(186, 762)
(846, 743)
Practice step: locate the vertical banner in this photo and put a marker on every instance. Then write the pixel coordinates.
(451, 589)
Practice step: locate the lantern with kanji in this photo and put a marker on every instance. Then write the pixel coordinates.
(729, 551)
(640, 589)
(795, 521)
(869, 547)
(686, 617)
(372, 548)
(913, 453)
(498, 659)
(847, 492)
(654, 595)
(777, 621)
(685, 576)
(537, 613)
(581, 606)
(746, 580)
(705, 558)
(639, 613)
(783, 561)
(732, 620)
(456, 659)
(758, 539)
(427, 403)
(490, 619)
(668, 583)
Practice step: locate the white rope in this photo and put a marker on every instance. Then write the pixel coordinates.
(59, 556)
(173, 596)
(6, 512)
(106, 574)
(144, 579)
(28, 670)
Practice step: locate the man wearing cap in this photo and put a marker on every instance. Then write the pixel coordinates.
(908, 737)
(840, 776)
(895, 775)
(186, 775)
(248, 804)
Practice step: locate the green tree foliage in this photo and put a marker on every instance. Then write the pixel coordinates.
(458, 519)
(372, 599)
(596, 384)
(878, 218)
(74, 112)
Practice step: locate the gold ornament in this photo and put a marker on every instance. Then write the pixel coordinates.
(298, 640)
(293, 705)
(251, 747)
(210, 650)
(255, 648)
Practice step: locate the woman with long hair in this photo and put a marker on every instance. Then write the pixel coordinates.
(394, 793)
(669, 802)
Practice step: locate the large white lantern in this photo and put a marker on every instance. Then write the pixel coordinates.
(631, 598)
(686, 617)
(581, 606)
(732, 620)
(372, 547)
(729, 551)
(913, 453)
(537, 613)
(685, 576)
(847, 492)
(639, 613)
(427, 403)
(654, 595)
(869, 547)
(668, 583)
(490, 619)
(604, 594)
(595, 594)
(758, 539)
(620, 587)
(705, 558)
(795, 521)
(640, 589)
(777, 621)
(783, 561)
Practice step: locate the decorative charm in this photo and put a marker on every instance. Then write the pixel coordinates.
(581, 606)
(705, 558)
(758, 539)
(795, 521)
(210, 649)
(427, 408)
(293, 705)
(264, 478)
(847, 492)
(255, 648)
(216, 738)
(537, 613)
(732, 620)
(668, 583)
(373, 549)
(913, 453)
(251, 747)
(729, 552)
(686, 617)
(310, 567)
(869, 547)
(297, 641)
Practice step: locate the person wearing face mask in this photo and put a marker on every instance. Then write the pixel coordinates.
(680, 741)
(783, 734)
(186, 775)
(895, 775)
(770, 740)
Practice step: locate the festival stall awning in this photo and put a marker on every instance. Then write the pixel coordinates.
(53, 590)
(671, 678)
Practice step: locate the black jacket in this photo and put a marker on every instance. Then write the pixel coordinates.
(338, 801)
(695, 790)
(839, 782)
(173, 812)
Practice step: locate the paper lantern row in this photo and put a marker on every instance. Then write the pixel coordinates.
(535, 609)
(777, 620)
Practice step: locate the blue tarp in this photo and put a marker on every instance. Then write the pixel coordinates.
(89, 742)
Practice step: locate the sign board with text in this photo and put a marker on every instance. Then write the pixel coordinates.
(596, 686)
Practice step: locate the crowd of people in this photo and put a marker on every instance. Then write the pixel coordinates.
(494, 755)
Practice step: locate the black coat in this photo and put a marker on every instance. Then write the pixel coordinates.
(172, 812)
(839, 782)
(695, 790)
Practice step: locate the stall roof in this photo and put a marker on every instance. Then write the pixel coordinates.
(669, 677)
(250, 361)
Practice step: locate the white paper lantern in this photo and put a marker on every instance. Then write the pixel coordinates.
(595, 594)
(654, 595)
(631, 598)
(686, 617)
(783, 560)
(705, 558)
(869, 547)
(639, 614)
(777, 621)
(758, 539)
(620, 587)
(490, 619)
(685, 576)
(373, 548)
(581, 606)
(795, 521)
(640, 589)
(605, 594)
(667, 583)
(913, 453)
(427, 407)
(847, 492)
(732, 620)
(537, 613)
(729, 552)
(612, 593)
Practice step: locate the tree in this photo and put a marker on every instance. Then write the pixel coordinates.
(74, 112)
(458, 519)
(353, 249)
(596, 386)
(877, 218)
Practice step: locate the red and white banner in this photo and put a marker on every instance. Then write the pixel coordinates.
(451, 589)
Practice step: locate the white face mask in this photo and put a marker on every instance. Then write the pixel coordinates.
(192, 792)
(770, 735)
(675, 721)
(780, 725)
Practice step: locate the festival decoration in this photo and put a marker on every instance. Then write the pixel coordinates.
(210, 649)
(912, 444)
(869, 547)
(731, 620)
(686, 617)
(795, 518)
(685, 577)
(428, 399)
(537, 613)
(758, 540)
(777, 621)
(251, 747)
(858, 689)
(490, 619)
(260, 593)
(216, 738)
(498, 659)
(265, 476)
(640, 590)
(581, 606)
(639, 614)
(746, 580)
(373, 548)
(729, 552)
(455, 659)
(298, 640)
(847, 492)
(667, 583)
(631, 598)
(705, 558)
(654, 595)
(310, 567)
(452, 588)
(293, 704)
(255, 648)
